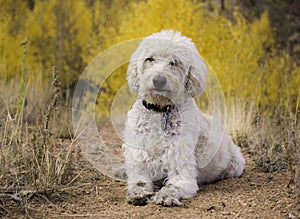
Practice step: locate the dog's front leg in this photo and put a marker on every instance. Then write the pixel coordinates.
(181, 183)
(139, 185)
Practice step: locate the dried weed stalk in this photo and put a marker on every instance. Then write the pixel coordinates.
(30, 163)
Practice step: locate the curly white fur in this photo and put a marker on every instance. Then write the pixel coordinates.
(181, 148)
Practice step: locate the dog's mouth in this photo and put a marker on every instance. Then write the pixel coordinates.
(159, 90)
(158, 98)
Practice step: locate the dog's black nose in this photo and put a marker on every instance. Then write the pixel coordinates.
(159, 81)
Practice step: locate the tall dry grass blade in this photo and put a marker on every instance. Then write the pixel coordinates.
(55, 96)
(297, 175)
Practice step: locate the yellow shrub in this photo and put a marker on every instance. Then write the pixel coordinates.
(236, 49)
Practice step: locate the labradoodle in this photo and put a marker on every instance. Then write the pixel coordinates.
(170, 146)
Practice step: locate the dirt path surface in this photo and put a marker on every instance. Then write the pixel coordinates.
(254, 195)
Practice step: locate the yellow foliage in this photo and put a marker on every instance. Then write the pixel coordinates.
(69, 34)
(236, 49)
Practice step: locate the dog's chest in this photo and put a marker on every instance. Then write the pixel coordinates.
(158, 132)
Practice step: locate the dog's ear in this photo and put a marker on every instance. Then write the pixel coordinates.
(196, 77)
(132, 73)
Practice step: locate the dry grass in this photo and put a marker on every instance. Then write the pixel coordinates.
(271, 138)
(297, 180)
(32, 163)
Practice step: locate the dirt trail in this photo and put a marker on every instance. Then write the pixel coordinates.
(254, 195)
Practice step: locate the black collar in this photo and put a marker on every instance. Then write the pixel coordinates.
(158, 108)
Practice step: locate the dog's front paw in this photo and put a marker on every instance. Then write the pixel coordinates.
(139, 194)
(167, 196)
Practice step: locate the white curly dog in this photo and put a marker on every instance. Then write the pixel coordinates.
(170, 146)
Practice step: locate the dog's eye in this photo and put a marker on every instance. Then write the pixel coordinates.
(150, 59)
(174, 62)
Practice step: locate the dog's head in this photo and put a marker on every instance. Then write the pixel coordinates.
(166, 68)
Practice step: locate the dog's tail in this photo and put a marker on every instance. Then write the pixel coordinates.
(236, 164)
